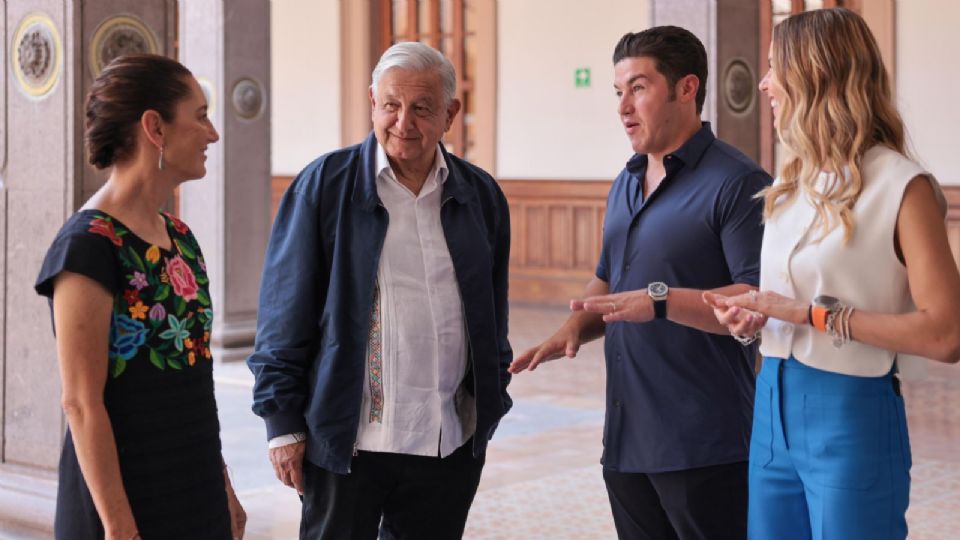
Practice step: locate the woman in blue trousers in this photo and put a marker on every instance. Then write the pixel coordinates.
(855, 269)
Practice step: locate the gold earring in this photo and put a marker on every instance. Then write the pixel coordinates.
(160, 163)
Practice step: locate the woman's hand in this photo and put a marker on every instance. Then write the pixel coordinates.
(122, 536)
(238, 517)
(766, 303)
(739, 321)
(124, 531)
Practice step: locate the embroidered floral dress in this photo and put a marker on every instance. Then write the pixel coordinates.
(159, 390)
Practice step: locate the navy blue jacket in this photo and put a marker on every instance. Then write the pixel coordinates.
(317, 293)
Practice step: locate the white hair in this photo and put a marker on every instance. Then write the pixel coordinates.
(416, 56)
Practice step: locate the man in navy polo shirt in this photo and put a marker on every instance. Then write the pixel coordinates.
(681, 219)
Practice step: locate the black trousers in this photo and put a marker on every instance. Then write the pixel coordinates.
(708, 503)
(397, 496)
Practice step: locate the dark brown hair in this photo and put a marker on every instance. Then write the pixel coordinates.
(677, 52)
(124, 90)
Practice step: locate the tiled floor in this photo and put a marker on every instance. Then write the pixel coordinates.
(933, 415)
(542, 479)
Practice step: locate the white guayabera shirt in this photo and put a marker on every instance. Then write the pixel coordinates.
(413, 400)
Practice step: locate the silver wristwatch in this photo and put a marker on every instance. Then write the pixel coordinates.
(658, 291)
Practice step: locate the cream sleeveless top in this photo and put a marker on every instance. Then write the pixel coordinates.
(865, 273)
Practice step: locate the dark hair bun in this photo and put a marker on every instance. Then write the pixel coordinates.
(124, 90)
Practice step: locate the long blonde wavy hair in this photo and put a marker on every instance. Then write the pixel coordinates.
(836, 104)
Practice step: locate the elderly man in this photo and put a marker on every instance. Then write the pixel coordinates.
(381, 356)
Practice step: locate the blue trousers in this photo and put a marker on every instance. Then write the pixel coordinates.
(829, 456)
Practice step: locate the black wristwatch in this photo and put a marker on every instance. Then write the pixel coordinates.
(658, 292)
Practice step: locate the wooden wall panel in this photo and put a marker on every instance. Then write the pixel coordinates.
(585, 239)
(556, 229)
(536, 230)
(278, 185)
(560, 227)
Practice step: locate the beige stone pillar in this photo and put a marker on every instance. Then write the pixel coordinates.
(52, 50)
(226, 43)
(729, 29)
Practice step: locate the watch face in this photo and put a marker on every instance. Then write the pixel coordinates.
(657, 288)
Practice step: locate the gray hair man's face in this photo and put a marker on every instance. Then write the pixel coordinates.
(410, 116)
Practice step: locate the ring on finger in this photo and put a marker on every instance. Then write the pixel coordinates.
(752, 294)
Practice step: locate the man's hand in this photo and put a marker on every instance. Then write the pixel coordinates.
(631, 306)
(566, 342)
(287, 463)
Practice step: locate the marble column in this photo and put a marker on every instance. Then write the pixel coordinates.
(728, 30)
(226, 43)
(52, 50)
(37, 179)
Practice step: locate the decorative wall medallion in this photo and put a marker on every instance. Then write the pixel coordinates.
(37, 54)
(248, 98)
(117, 36)
(208, 92)
(739, 86)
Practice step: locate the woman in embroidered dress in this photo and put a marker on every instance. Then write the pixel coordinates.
(855, 268)
(132, 316)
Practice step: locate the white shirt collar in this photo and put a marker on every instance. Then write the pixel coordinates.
(439, 169)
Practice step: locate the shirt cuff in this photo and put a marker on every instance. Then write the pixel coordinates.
(284, 440)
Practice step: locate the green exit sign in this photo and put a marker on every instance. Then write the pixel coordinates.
(581, 77)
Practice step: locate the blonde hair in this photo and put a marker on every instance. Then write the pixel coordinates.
(837, 103)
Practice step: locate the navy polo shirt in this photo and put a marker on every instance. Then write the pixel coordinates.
(679, 398)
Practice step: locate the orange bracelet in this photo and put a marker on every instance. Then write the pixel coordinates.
(818, 317)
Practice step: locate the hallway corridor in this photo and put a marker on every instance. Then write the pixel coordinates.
(542, 479)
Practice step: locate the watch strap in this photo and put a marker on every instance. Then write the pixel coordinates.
(659, 309)
(818, 317)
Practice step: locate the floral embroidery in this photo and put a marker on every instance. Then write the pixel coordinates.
(162, 317)
(126, 337)
(177, 332)
(375, 361)
(178, 225)
(132, 296)
(153, 254)
(200, 349)
(207, 316)
(138, 310)
(139, 280)
(202, 346)
(157, 313)
(104, 227)
(182, 279)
